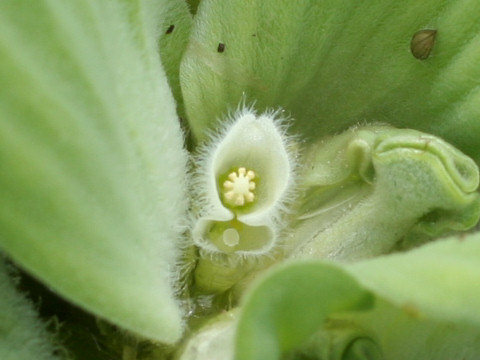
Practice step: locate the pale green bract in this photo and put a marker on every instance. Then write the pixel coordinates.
(98, 204)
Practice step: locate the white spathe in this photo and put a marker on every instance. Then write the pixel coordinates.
(247, 174)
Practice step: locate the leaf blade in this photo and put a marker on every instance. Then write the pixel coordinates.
(91, 158)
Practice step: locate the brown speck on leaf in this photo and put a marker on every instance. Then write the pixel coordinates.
(422, 43)
(170, 29)
(411, 310)
(221, 47)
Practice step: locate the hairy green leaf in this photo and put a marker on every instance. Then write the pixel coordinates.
(334, 63)
(91, 160)
(22, 335)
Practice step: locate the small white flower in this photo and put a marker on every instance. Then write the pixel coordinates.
(244, 178)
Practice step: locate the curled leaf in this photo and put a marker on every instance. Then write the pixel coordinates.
(369, 188)
(290, 304)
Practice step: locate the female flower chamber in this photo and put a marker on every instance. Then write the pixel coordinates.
(245, 177)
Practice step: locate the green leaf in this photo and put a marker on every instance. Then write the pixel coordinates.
(22, 335)
(292, 303)
(426, 307)
(175, 31)
(402, 334)
(334, 63)
(390, 333)
(438, 280)
(193, 5)
(91, 162)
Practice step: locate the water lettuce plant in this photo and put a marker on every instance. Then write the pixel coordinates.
(239, 179)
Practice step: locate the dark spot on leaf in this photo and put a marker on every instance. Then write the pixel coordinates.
(170, 29)
(422, 43)
(411, 310)
(221, 47)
